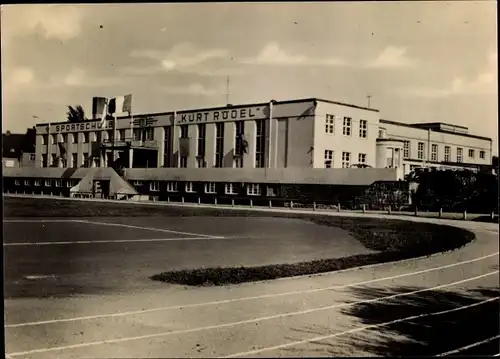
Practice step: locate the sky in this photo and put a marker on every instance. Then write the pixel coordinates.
(419, 61)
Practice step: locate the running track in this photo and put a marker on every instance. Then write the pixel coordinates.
(304, 316)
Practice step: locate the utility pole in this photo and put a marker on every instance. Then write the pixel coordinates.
(369, 97)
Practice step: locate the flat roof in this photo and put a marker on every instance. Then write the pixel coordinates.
(435, 130)
(311, 99)
(438, 124)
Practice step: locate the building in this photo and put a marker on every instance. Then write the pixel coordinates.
(305, 133)
(438, 145)
(308, 133)
(18, 150)
(305, 150)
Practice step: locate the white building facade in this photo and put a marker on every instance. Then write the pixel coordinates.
(306, 133)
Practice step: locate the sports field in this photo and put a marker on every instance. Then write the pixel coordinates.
(62, 257)
(81, 287)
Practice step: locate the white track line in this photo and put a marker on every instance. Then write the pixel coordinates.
(264, 296)
(248, 321)
(146, 228)
(365, 327)
(107, 241)
(468, 346)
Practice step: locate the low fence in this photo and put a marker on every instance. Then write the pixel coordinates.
(277, 203)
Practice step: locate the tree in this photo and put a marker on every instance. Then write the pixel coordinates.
(76, 114)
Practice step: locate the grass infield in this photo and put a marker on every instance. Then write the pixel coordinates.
(393, 239)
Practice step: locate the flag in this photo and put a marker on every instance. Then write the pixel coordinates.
(120, 104)
(98, 106)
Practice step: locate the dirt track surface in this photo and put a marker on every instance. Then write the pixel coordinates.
(322, 315)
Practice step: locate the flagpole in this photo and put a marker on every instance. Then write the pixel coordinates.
(114, 136)
(131, 150)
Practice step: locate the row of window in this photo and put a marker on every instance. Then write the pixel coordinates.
(201, 140)
(346, 126)
(346, 159)
(434, 152)
(139, 134)
(47, 183)
(87, 161)
(252, 189)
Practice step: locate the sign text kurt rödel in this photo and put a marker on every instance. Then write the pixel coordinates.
(235, 114)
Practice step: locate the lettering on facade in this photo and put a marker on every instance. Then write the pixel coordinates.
(221, 115)
(82, 126)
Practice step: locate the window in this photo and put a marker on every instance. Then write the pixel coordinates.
(109, 134)
(270, 192)
(189, 187)
(45, 160)
(362, 158)
(48, 183)
(86, 160)
(121, 135)
(167, 139)
(230, 188)
(346, 129)
(328, 159)
(239, 149)
(201, 162)
(200, 145)
(85, 137)
(219, 144)
(459, 155)
(17, 182)
(253, 189)
(149, 134)
(434, 152)
(54, 139)
(64, 138)
(137, 135)
(27, 182)
(346, 159)
(54, 159)
(210, 187)
(58, 183)
(420, 151)
(74, 138)
(154, 186)
(260, 148)
(330, 124)
(45, 139)
(184, 131)
(171, 186)
(363, 128)
(447, 153)
(482, 155)
(74, 160)
(138, 183)
(471, 153)
(406, 149)
(38, 182)
(97, 162)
